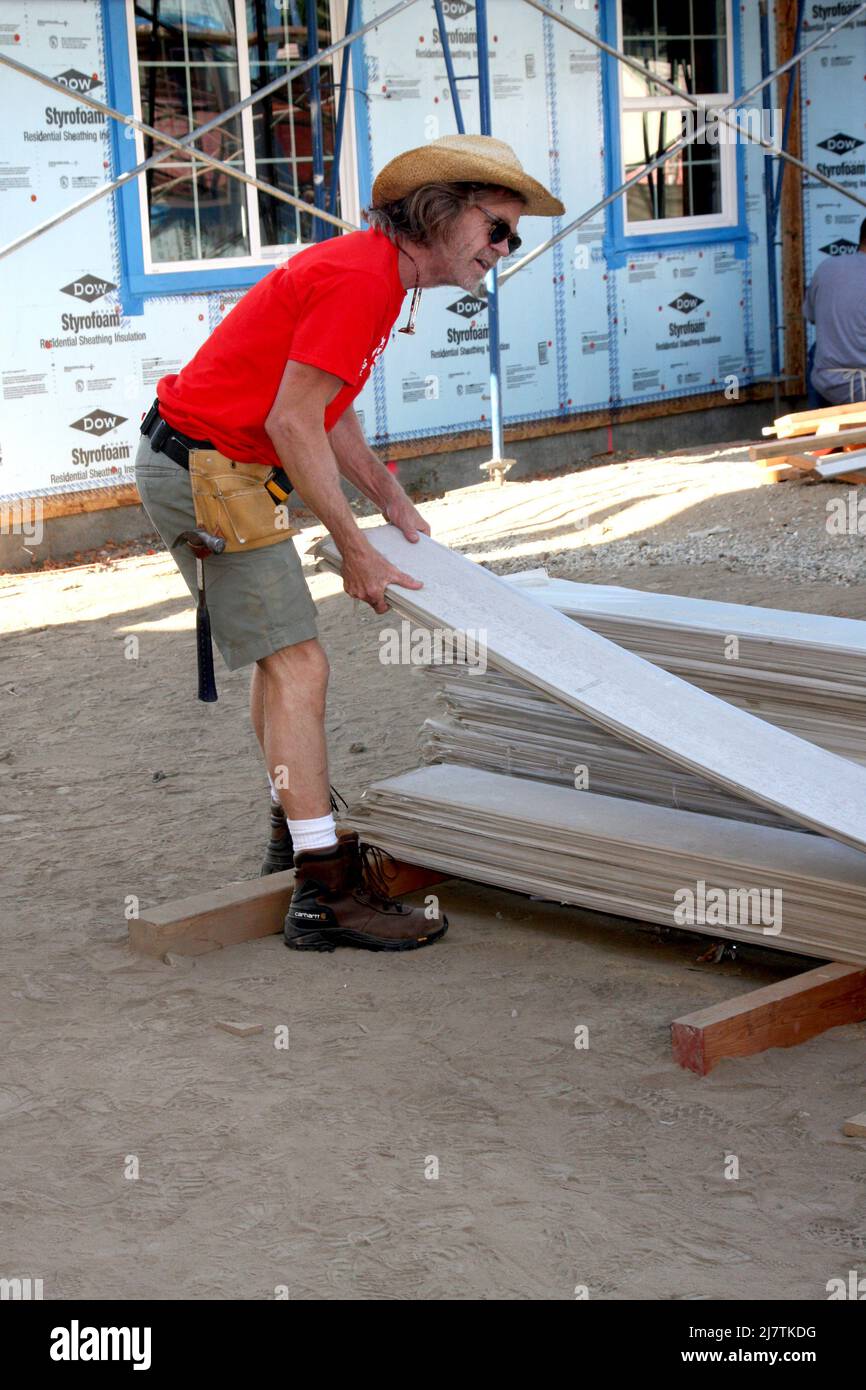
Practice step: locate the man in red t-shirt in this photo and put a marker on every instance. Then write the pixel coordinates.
(273, 385)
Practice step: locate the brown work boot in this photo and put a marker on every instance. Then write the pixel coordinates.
(280, 853)
(341, 899)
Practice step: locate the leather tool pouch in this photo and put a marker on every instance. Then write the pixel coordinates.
(230, 501)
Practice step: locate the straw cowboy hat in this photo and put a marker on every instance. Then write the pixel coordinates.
(463, 159)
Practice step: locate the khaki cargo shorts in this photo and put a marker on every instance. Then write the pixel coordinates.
(258, 601)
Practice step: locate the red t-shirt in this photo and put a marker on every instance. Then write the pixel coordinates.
(332, 306)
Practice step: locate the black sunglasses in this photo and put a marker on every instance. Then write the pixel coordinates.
(500, 231)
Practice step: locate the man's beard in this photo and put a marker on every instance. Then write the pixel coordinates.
(479, 290)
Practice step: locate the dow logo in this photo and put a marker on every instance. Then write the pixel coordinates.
(98, 422)
(840, 247)
(685, 303)
(79, 81)
(468, 307)
(456, 9)
(839, 143)
(88, 287)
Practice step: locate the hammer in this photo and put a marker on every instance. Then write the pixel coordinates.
(202, 544)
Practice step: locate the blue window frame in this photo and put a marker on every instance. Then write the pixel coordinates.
(138, 281)
(619, 242)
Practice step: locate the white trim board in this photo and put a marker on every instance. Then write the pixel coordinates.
(636, 700)
(610, 601)
(835, 464)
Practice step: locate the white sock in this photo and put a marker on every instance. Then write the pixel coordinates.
(275, 796)
(319, 833)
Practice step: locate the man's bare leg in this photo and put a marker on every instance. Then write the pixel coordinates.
(331, 904)
(287, 708)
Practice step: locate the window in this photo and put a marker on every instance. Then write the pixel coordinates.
(688, 42)
(191, 60)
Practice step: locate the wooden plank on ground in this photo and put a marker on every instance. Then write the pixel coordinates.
(856, 1126)
(241, 912)
(841, 467)
(821, 441)
(778, 1015)
(406, 878)
(782, 474)
(801, 462)
(222, 917)
(807, 421)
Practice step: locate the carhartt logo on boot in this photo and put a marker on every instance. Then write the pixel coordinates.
(76, 1343)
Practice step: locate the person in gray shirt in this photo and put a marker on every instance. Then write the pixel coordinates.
(836, 303)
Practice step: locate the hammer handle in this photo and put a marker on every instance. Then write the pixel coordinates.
(207, 690)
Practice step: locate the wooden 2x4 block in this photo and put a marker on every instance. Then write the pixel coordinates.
(778, 1015)
(239, 912)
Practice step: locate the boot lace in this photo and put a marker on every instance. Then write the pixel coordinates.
(376, 878)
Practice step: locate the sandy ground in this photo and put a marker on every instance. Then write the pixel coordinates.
(304, 1169)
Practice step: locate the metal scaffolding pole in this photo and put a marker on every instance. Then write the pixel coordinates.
(341, 113)
(498, 465)
(188, 140)
(769, 220)
(674, 149)
(449, 67)
(314, 88)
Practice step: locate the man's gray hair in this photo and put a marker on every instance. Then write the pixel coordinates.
(430, 212)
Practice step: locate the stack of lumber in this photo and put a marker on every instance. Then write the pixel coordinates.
(803, 442)
(494, 722)
(805, 672)
(559, 687)
(626, 859)
(631, 698)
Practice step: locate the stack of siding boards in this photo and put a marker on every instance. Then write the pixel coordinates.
(803, 443)
(695, 808)
(494, 723)
(723, 878)
(803, 672)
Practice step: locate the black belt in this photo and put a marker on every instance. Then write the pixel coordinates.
(165, 440)
(177, 446)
